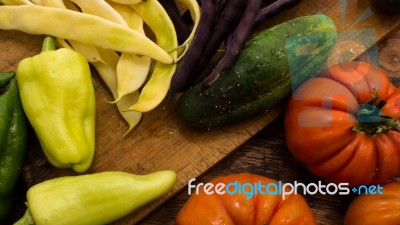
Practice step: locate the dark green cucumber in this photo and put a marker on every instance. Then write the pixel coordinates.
(272, 63)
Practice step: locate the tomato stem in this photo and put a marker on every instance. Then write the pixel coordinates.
(372, 121)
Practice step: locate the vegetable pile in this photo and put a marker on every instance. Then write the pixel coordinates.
(58, 97)
(111, 36)
(145, 50)
(139, 66)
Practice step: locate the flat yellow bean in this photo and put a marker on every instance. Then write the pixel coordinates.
(90, 52)
(132, 70)
(108, 75)
(54, 3)
(67, 4)
(100, 8)
(8, 2)
(70, 5)
(62, 43)
(107, 71)
(156, 89)
(22, 2)
(128, 2)
(26, 2)
(37, 2)
(88, 29)
(133, 19)
(194, 9)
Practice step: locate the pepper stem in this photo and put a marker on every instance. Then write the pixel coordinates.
(26, 219)
(49, 44)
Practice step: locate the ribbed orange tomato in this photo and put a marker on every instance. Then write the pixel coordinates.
(238, 209)
(382, 209)
(343, 125)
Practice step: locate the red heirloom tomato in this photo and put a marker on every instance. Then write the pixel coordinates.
(244, 209)
(343, 125)
(382, 209)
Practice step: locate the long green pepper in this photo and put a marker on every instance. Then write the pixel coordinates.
(13, 140)
(93, 199)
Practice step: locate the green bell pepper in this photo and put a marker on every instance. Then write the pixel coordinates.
(93, 199)
(13, 140)
(58, 97)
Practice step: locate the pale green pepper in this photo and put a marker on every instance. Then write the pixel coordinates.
(58, 98)
(93, 199)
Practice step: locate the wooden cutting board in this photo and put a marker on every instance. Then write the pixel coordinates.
(162, 141)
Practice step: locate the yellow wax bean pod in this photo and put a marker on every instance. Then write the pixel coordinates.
(70, 5)
(100, 8)
(22, 2)
(37, 2)
(129, 64)
(131, 117)
(54, 3)
(67, 4)
(107, 72)
(132, 70)
(62, 43)
(26, 2)
(194, 9)
(128, 2)
(156, 89)
(109, 57)
(90, 52)
(8, 2)
(108, 75)
(88, 29)
(132, 19)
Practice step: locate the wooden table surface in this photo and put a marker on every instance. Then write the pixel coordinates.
(266, 154)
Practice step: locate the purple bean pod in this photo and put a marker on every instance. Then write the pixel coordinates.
(183, 75)
(182, 30)
(273, 9)
(230, 17)
(237, 41)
